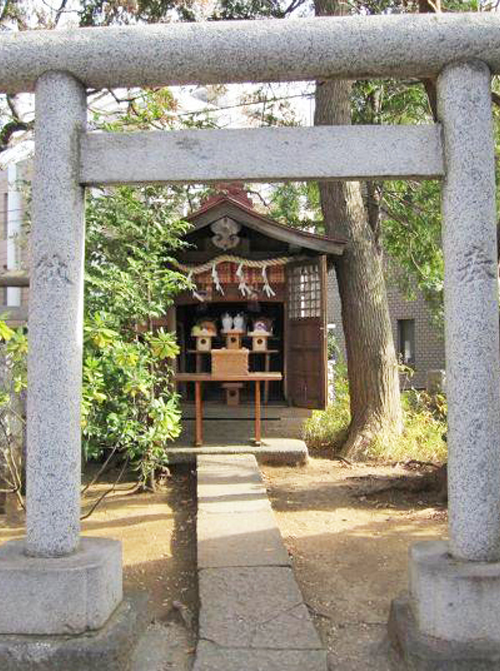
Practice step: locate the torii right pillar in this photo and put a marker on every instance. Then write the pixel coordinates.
(451, 618)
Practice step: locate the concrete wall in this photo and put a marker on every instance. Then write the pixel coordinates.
(429, 341)
(4, 189)
(14, 252)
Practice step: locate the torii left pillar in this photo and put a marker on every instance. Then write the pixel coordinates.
(55, 582)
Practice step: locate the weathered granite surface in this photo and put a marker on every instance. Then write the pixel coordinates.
(248, 539)
(230, 484)
(241, 51)
(55, 321)
(285, 451)
(452, 599)
(212, 657)
(416, 652)
(263, 154)
(65, 595)
(109, 649)
(254, 607)
(252, 614)
(450, 622)
(471, 311)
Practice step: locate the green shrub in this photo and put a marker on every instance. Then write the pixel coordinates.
(333, 347)
(422, 438)
(129, 405)
(327, 428)
(424, 431)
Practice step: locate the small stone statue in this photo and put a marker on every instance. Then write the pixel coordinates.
(239, 322)
(227, 322)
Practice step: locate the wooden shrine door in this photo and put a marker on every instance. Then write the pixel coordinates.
(306, 360)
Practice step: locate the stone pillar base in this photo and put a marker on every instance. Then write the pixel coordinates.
(108, 649)
(62, 596)
(416, 652)
(450, 621)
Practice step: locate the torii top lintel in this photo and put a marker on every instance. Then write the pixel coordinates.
(241, 51)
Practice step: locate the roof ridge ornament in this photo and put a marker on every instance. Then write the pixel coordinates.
(225, 232)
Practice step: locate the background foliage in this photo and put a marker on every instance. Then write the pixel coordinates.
(423, 438)
(128, 400)
(129, 407)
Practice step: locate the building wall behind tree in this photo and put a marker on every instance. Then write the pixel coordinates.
(428, 339)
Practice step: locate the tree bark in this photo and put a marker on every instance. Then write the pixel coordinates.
(371, 358)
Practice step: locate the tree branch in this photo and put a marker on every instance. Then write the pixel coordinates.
(99, 472)
(9, 129)
(11, 102)
(430, 7)
(107, 492)
(260, 196)
(292, 7)
(60, 11)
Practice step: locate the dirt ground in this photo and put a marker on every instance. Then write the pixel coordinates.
(158, 534)
(349, 554)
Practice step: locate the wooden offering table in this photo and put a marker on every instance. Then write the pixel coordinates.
(200, 378)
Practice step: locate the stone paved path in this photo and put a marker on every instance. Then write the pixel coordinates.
(252, 613)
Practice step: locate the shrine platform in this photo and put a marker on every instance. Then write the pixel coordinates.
(283, 451)
(230, 430)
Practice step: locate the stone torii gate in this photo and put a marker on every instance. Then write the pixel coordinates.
(55, 582)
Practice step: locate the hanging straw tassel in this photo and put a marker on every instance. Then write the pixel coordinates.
(267, 287)
(194, 292)
(242, 286)
(215, 277)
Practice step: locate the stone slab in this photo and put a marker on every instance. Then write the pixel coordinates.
(452, 599)
(254, 607)
(282, 451)
(211, 657)
(226, 469)
(230, 484)
(252, 614)
(241, 539)
(240, 51)
(262, 154)
(288, 452)
(417, 652)
(63, 595)
(108, 649)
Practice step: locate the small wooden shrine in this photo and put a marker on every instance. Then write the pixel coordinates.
(258, 301)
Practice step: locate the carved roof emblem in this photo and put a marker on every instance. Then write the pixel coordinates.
(225, 232)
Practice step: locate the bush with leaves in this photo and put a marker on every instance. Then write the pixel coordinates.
(13, 350)
(328, 428)
(423, 437)
(129, 406)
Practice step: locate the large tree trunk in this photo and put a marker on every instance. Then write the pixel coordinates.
(371, 358)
